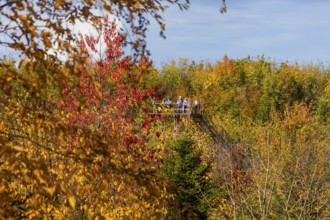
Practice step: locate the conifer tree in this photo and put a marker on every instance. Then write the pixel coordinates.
(189, 181)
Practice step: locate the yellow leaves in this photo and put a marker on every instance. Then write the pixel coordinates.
(38, 173)
(136, 6)
(72, 201)
(327, 90)
(18, 148)
(98, 89)
(120, 187)
(59, 214)
(99, 218)
(61, 166)
(23, 18)
(98, 158)
(50, 190)
(85, 207)
(32, 28)
(81, 179)
(20, 7)
(57, 159)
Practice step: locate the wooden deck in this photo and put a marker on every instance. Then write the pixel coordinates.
(164, 110)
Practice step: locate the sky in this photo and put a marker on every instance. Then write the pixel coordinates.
(280, 30)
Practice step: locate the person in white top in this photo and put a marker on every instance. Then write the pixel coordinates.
(196, 104)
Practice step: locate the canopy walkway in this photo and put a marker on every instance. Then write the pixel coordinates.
(218, 134)
(223, 144)
(173, 110)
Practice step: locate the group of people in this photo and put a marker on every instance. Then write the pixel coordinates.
(184, 105)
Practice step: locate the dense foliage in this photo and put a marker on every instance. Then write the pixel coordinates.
(277, 117)
(84, 146)
(71, 147)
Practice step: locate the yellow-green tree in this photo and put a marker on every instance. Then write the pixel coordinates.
(78, 148)
(288, 168)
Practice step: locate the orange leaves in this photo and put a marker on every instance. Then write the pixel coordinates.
(46, 37)
(17, 46)
(39, 176)
(50, 190)
(23, 18)
(57, 4)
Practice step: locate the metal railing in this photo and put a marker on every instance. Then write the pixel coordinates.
(159, 108)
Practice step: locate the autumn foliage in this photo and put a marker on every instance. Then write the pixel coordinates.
(274, 120)
(34, 28)
(77, 148)
(81, 144)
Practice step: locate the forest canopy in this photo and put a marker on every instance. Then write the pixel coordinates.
(102, 144)
(88, 146)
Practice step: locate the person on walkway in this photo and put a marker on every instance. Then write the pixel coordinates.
(185, 105)
(179, 103)
(169, 103)
(196, 105)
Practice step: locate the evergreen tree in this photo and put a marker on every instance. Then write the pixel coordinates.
(189, 181)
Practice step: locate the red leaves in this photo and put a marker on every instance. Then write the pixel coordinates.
(146, 125)
(133, 140)
(106, 47)
(109, 98)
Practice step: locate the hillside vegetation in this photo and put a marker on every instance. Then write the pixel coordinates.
(80, 143)
(277, 118)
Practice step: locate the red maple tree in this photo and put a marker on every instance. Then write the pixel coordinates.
(110, 97)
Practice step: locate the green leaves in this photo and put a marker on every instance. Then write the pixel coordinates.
(188, 178)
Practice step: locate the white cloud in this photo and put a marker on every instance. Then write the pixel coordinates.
(88, 29)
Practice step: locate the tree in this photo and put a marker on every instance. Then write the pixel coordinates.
(189, 180)
(278, 166)
(83, 151)
(35, 27)
(289, 169)
(323, 110)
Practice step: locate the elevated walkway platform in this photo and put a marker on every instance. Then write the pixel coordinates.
(218, 134)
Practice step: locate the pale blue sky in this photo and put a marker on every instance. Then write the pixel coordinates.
(283, 30)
